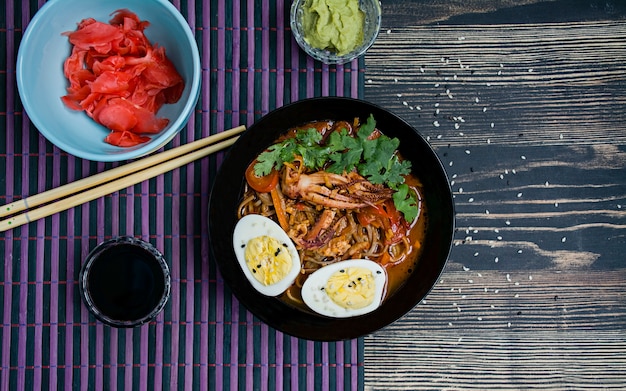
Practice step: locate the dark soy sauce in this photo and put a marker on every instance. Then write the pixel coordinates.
(126, 283)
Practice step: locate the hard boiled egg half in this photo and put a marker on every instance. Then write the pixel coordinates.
(266, 254)
(347, 288)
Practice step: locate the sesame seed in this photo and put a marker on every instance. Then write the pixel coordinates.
(492, 125)
(471, 200)
(563, 239)
(467, 151)
(436, 124)
(496, 260)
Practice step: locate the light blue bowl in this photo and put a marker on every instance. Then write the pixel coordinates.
(41, 82)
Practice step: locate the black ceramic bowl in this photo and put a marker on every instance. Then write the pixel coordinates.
(228, 189)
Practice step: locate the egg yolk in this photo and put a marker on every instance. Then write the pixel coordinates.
(352, 287)
(268, 259)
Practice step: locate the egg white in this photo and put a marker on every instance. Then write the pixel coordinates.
(251, 226)
(315, 297)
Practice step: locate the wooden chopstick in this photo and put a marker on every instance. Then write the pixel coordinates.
(112, 180)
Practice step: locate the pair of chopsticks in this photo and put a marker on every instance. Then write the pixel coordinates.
(98, 185)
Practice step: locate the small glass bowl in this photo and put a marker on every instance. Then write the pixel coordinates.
(125, 282)
(371, 27)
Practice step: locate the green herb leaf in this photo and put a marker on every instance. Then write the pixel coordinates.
(268, 160)
(405, 200)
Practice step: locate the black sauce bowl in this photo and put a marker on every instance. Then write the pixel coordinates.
(228, 189)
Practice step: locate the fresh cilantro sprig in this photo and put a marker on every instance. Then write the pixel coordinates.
(405, 201)
(375, 158)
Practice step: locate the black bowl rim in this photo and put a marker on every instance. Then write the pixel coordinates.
(272, 311)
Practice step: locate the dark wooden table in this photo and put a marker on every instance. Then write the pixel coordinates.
(525, 103)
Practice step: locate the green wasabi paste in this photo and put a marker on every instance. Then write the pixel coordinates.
(335, 25)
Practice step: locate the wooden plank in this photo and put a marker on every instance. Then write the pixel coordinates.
(530, 122)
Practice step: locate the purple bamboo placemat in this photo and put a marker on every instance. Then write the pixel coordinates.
(203, 339)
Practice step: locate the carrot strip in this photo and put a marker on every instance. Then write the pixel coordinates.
(279, 208)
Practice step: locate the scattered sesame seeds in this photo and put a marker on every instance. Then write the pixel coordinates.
(436, 124)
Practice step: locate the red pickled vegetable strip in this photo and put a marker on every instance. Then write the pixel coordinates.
(118, 78)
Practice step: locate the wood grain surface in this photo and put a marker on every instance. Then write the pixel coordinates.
(525, 104)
